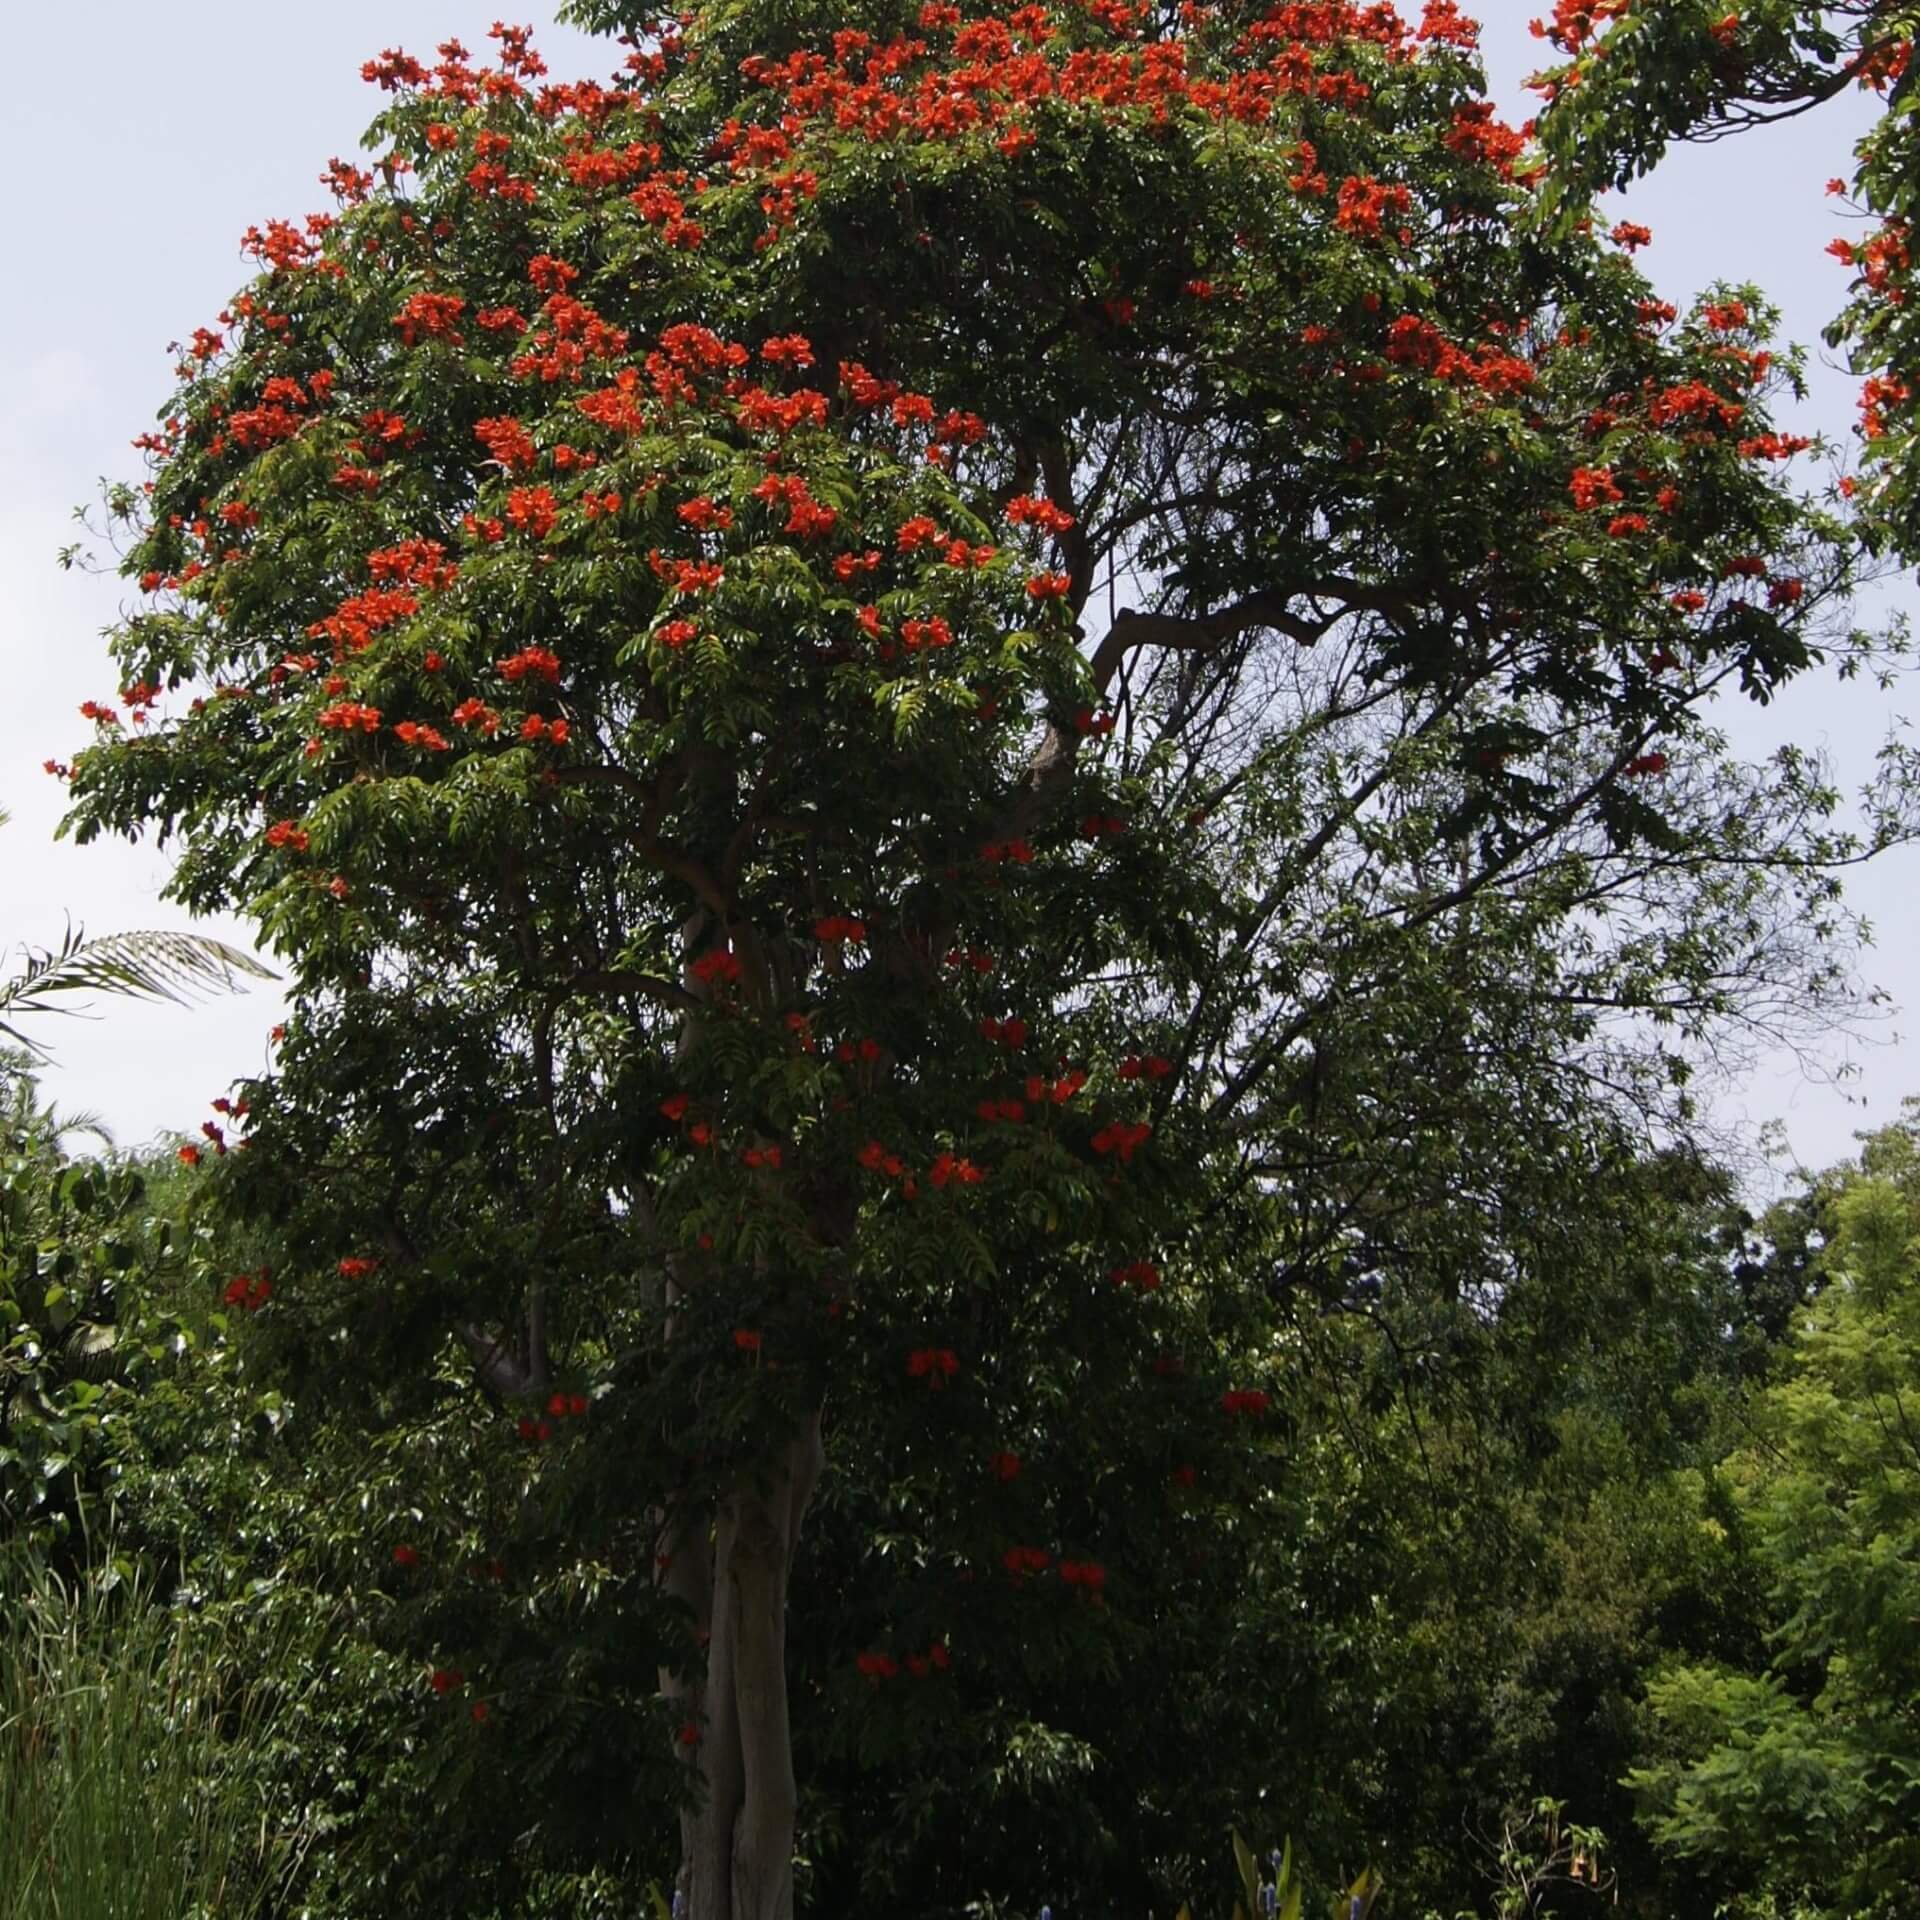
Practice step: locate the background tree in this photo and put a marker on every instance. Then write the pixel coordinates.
(1638, 78)
(1793, 1776)
(845, 758)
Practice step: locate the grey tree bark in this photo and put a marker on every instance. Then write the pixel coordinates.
(733, 1567)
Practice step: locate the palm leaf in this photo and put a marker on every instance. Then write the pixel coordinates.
(150, 965)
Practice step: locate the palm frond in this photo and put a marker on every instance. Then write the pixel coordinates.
(149, 965)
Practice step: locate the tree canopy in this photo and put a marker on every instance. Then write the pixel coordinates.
(946, 719)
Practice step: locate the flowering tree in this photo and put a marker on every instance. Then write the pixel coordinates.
(1636, 79)
(872, 675)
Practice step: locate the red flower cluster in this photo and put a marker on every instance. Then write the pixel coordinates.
(1010, 1033)
(248, 1291)
(1142, 1274)
(705, 516)
(1594, 487)
(422, 563)
(935, 1365)
(875, 1158)
(716, 968)
(759, 411)
(1021, 1561)
(931, 633)
(506, 439)
(1364, 202)
(1041, 1091)
(1122, 1140)
(1153, 1067)
(352, 626)
(1088, 1575)
(283, 833)
(537, 663)
(1245, 1400)
(1004, 1466)
(357, 1267)
(430, 316)
(806, 516)
(947, 1169)
(533, 510)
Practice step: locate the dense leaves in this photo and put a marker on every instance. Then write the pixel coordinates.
(957, 728)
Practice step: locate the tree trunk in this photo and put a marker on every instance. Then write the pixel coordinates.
(736, 1848)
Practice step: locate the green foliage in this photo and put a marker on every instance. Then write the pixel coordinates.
(124, 1789)
(1798, 1780)
(778, 961)
(1642, 77)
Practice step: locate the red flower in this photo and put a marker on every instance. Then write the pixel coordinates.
(1026, 511)
(689, 1734)
(505, 438)
(715, 967)
(746, 1339)
(479, 1713)
(1050, 586)
(1021, 1561)
(1593, 487)
(1005, 1466)
(190, 1156)
(1245, 1400)
(877, 1666)
(431, 316)
(353, 1267)
(406, 1556)
(249, 1292)
(1122, 1140)
(936, 1365)
(445, 1679)
(675, 1106)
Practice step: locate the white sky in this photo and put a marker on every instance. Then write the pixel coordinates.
(123, 226)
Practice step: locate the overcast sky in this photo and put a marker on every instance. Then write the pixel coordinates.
(141, 141)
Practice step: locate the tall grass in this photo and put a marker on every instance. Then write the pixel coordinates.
(121, 1732)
